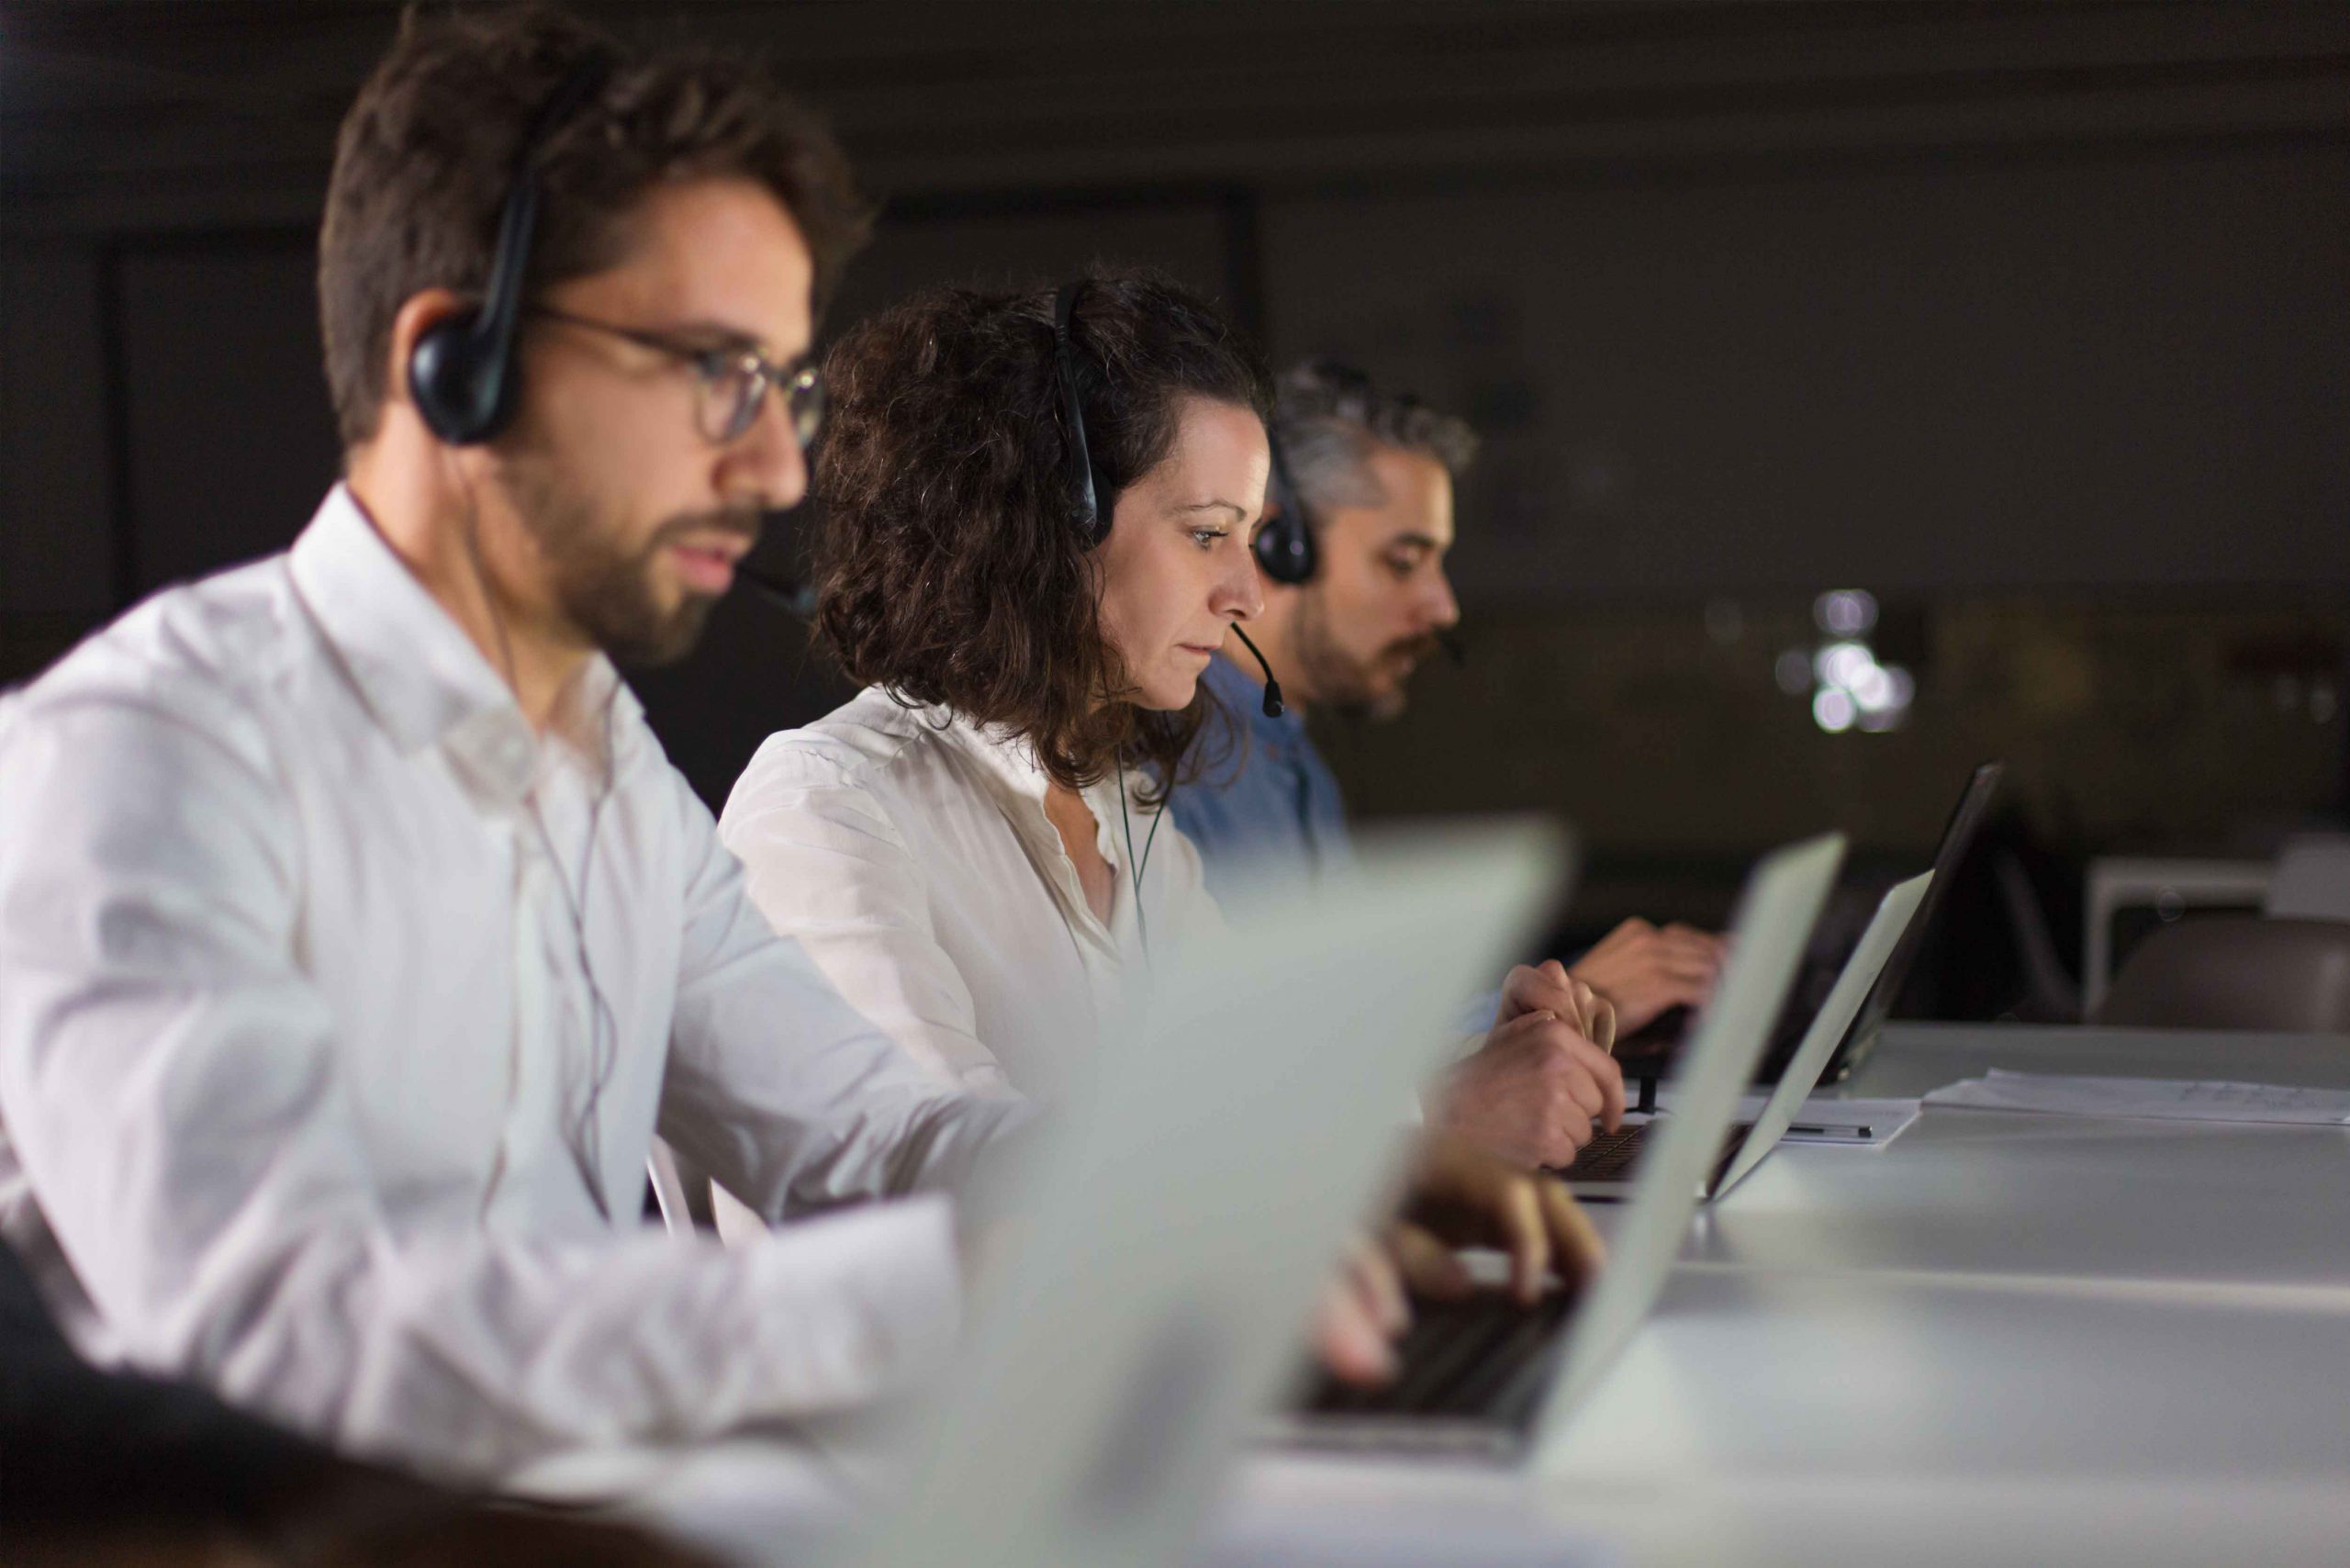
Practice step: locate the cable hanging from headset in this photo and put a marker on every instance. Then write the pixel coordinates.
(1142, 922)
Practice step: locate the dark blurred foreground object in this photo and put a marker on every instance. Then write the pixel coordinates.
(2230, 972)
(109, 1468)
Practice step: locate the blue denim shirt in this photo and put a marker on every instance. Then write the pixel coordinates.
(1273, 808)
(1279, 813)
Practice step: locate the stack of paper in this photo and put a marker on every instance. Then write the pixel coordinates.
(2166, 1098)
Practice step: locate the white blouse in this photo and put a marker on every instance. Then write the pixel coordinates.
(907, 851)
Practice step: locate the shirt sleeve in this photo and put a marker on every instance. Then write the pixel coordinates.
(171, 1088)
(831, 873)
(846, 1102)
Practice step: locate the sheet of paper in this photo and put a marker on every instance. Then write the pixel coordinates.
(1864, 1123)
(2165, 1098)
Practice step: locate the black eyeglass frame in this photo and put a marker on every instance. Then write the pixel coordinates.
(801, 383)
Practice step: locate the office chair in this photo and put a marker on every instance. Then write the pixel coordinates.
(2236, 973)
(2312, 879)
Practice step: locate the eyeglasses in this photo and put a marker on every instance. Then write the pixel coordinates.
(731, 382)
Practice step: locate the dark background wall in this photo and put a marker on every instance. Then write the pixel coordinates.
(2032, 320)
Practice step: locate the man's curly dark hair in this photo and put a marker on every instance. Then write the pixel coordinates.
(950, 568)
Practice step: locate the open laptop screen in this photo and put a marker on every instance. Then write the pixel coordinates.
(1958, 838)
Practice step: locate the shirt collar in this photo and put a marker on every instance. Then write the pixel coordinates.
(415, 667)
(1010, 762)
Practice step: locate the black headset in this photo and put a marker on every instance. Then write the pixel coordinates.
(1085, 486)
(460, 374)
(1086, 489)
(1285, 546)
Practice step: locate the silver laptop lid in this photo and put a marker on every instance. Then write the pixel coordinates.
(1893, 913)
(1184, 1208)
(1958, 838)
(1775, 913)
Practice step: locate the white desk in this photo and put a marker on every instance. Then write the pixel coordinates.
(1745, 1375)
(2002, 1338)
(1914, 1058)
(2164, 1203)
(1820, 1520)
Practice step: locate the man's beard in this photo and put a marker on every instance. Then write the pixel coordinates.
(1340, 680)
(605, 591)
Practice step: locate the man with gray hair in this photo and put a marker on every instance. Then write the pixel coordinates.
(1355, 596)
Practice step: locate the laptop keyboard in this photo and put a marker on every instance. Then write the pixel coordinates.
(1488, 1357)
(1611, 1155)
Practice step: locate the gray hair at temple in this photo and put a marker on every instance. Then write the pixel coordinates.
(1329, 417)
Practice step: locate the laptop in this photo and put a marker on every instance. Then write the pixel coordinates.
(1488, 1378)
(1149, 1285)
(1958, 836)
(1605, 1167)
(1646, 1056)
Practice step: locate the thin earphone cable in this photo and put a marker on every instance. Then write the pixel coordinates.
(1142, 921)
(586, 1134)
(603, 1055)
(1147, 840)
(603, 1022)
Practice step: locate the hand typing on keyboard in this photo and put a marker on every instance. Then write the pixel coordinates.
(1543, 1084)
(1456, 1195)
(1645, 969)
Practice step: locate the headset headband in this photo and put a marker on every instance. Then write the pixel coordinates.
(461, 372)
(1085, 510)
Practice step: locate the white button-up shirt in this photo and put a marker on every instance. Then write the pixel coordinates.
(907, 850)
(331, 1048)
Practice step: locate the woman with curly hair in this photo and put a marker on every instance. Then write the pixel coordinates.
(1039, 508)
(972, 847)
(1038, 511)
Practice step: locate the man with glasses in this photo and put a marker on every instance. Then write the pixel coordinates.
(355, 936)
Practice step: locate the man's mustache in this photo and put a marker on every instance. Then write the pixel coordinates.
(743, 522)
(1417, 649)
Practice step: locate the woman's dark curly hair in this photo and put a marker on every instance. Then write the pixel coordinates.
(950, 568)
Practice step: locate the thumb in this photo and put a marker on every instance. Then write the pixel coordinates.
(1524, 1022)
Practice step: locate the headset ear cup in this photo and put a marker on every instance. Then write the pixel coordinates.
(461, 373)
(1285, 548)
(457, 381)
(1284, 545)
